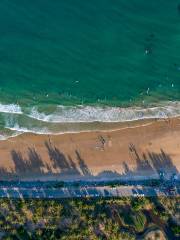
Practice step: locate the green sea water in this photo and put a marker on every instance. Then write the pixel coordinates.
(99, 52)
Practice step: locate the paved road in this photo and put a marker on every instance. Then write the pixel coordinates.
(72, 192)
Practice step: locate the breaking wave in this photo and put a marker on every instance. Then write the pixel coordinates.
(105, 114)
(10, 108)
(16, 120)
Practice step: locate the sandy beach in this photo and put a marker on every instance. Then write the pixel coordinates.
(132, 149)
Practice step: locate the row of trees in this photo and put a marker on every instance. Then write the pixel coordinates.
(80, 219)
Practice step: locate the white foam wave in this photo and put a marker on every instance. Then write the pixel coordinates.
(10, 108)
(19, 130)
(55, 123)
(6, 137)
(3, 137)
(73, 114)
(65, 114)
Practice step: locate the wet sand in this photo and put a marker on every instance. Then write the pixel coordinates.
(140, 148)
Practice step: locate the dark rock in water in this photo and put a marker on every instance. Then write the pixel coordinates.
(150, 37)
(178, 8)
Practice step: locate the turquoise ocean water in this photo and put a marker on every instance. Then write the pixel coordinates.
(84, 61)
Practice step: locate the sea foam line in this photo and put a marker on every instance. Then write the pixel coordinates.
(73, 114)
(10, 108)
(19, 130)
(80, 114)
(87, 114)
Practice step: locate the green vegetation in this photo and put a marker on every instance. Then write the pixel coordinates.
(87, 219)
(139, 203)
(176, 230)
(139, 221)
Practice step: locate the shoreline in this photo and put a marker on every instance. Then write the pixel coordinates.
(125, 150)
(72, 119)
(88, 127)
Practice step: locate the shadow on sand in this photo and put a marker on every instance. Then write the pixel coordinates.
(147, 164)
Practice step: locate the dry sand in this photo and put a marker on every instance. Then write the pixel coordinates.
(134, 149)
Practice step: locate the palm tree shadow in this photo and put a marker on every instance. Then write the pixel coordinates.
(59, 160)
(33, 164)
(150, 163)
(57, 157)
(147, 164)
(83, 166)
